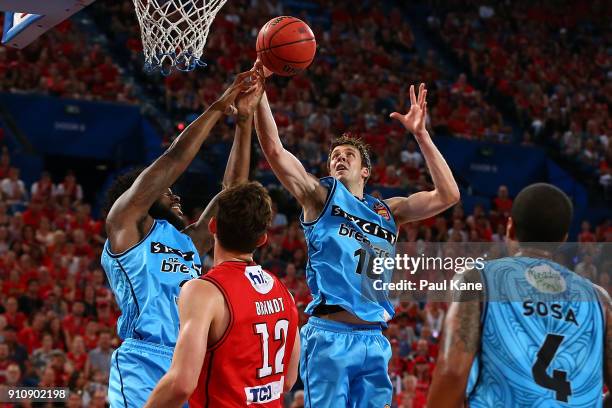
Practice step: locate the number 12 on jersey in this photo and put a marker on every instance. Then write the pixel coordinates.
(280, 336)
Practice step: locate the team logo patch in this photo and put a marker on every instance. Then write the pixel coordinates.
(382, 211)
(261, 281)
(545, 279)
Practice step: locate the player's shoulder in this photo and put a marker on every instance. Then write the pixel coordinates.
(201, 290)
(328, 182)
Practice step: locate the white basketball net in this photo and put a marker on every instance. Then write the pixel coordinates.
(174, 32)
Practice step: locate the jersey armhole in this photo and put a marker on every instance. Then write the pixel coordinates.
(602, 309)
(483, 317)
(230, 324)
(119, 255)
(330, 194)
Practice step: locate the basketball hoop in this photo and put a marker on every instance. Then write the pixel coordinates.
(174, 32)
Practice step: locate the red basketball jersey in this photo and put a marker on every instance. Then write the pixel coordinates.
(247, 365)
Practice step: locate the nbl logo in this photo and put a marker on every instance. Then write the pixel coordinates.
(260, 280)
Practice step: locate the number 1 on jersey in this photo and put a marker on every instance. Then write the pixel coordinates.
(280, 334)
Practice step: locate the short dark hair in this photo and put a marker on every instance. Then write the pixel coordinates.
(244, 213)
(352, 140)
(120, 186)
(541, 213)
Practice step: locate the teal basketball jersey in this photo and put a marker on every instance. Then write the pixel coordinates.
(543, 329)
(146, 280)
(343, 243)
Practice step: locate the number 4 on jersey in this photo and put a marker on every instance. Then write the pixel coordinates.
(558, 382)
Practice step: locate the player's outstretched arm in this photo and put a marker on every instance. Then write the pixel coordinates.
(125, 220)
(199, 304)
(237, 168)
(459, 345)
(306, 188)
(424, 204)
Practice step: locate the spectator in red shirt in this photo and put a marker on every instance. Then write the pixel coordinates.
(91, 335)
(47, 379)
(5, 163)
(33, 214)
(411, 397)
(78, 354)
(5, 361)
(54, 326)
(502, 203)
(585, 234)
(74, 323)
(31, 336)
(44, 188)
(293, 240)
(13, 317)
(70, 188)
(13, 376)
(81, 246)
(290, 280)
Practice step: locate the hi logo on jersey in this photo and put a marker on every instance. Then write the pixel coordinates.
(381, 210)
(159, 248)
(264, 393)
(261, 281)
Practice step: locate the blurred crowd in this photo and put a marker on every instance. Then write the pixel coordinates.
(58, 315)
(63, 63)
(551, 61)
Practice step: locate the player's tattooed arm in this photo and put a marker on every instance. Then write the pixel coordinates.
(238, 164)
(306, 188)
(459, 345)
(125, 220)
(606, 302)
(424, 204)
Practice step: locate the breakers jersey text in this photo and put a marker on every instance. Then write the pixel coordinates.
(247, 365)
(146, 281)
(542, 338)
(342, 244)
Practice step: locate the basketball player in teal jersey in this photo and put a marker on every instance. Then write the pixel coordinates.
(543, 338)
(150, 253)
(344, 356)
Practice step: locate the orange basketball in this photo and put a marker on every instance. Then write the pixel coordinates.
(286, 45)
